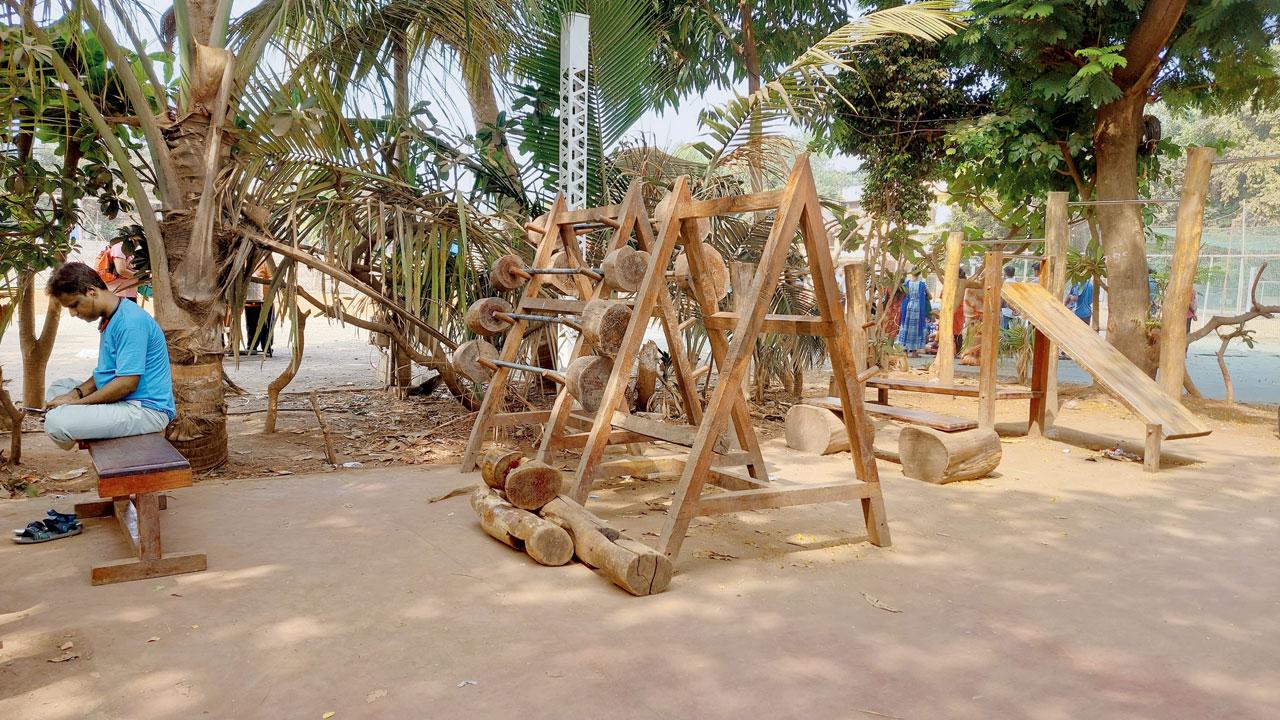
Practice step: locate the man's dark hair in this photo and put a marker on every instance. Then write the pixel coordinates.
(1008, 271)
(74, 278)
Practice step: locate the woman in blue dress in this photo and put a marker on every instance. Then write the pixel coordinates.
(913, 329)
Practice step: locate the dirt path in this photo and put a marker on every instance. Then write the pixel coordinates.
(1061, 588)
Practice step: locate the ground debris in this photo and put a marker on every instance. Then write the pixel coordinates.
(876, 603)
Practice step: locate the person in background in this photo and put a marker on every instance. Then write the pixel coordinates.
(913, 327)
(1153, 288)
(115, 267)
(960, 314)
(1080, 300)
(1006, 312)
(131, 389)
(253, 306)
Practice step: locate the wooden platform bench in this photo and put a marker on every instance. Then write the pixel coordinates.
(884, 385)
(913, 416)
(133, 473)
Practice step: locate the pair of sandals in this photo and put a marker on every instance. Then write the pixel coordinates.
(56, 525)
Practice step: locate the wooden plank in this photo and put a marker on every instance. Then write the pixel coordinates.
(755, 202)
(937, 421)
(1037, 420)
(945, 364)
(562, 306)
(131, 569)
(779, 324)
(595, 214)
(856, 323)
(970, 391)
(1180, 292)
(1108, 366)
(615, 437)
(127, 518)
(988, 357)
(122, 485)
(135, 455)
(732, 480)
(527, 417)
(675, 434)
(766, 498)
(740, 275)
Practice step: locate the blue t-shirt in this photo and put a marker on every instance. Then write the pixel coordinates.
(133, 344)
(1084, 299)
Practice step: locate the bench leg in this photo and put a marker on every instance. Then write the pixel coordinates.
(1151, 454)
(882, 396)
(139, 519)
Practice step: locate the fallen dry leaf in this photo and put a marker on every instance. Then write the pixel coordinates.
(183, 688)
(877, 604)
(64, 657)
(375, 695)
(328, 715)
(68, 474)
(66, 645)
(153, 638)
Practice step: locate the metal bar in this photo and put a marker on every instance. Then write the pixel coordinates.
(569, 321)
(1015, 241)
(593, 273)
(1254, 158)
(548, 374)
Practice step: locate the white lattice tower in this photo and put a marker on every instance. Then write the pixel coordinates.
(574, 36)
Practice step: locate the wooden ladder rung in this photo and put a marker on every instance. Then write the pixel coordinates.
(773, 497)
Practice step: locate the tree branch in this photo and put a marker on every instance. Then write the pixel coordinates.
(1256, 310)
(1150, 36)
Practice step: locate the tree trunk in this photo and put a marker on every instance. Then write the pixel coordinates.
(35, 350)
(1226, 375)
(1115, 140)
(478, 79)
(192, 323)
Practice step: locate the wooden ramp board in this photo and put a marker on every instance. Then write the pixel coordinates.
(937, 421)
(1107, 365)
(971, 391)
(135, 455)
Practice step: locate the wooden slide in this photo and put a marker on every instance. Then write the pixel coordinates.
(1107, 365)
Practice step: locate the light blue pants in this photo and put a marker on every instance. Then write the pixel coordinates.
(69, 423)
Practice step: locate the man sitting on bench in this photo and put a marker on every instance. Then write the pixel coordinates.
(131, 390)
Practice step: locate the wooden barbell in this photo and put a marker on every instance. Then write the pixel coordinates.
(585, 377)
(602, 323)
(622, 269)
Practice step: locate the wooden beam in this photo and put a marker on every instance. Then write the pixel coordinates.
(779, 324)
(988, 358)
(945, 364)
(596, 214)
(528, 417)
(755, 202)
(761, 499)
(1180, 292)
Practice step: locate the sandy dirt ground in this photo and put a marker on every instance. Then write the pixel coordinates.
(1066, 586)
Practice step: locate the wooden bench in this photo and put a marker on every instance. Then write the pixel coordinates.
(133, 472)
(884, 385)
(937, 421)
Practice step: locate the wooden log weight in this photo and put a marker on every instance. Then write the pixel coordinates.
(544, 541)
(604, 323)
(533, 484)
(631, 565)
(646, 376)
(939, 457)
(585, 377)
(815, 430)
(496, 464)
(716, 279)
(624, 268)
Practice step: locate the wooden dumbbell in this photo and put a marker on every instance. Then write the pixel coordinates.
(528, 484)
(623, 269)
(585, 377)
(603, 322)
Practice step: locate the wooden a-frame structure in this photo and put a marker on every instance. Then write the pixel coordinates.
(564, 426)
(732, 339)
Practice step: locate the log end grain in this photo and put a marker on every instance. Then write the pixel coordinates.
(532, 485)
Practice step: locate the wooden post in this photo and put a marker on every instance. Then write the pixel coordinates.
(988, 357)
(1151, 453)
(1054, 278)
(945, 364)
(1182, 273)
(855, 312)
(740, 276)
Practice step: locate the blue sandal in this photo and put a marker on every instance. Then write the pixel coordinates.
(64, 518)
(46, 530)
